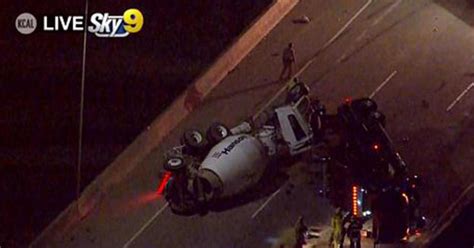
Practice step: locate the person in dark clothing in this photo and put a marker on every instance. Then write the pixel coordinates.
(352, 226)
(289, 59)
(300, 231)
(353, 232)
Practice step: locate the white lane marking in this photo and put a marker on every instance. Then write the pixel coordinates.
(386, 12)
(459, 97)
(383, 84)
(326, 45)
(265, 203)
(126, 245)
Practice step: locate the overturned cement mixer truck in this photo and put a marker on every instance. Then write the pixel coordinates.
(226, 162)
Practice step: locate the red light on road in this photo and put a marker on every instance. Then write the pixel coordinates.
(348, 100)
(376, 147)
(163, 182)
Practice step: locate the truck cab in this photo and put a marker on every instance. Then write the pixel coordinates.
(293, 120)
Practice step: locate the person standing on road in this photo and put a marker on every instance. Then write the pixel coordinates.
(288, 62)
(336, 225)
(300, 231)
(353, 232)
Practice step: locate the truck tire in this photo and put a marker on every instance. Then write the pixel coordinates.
(217, 132)
(296, 92)
(364, 106)
(174, 164)
(194, 142)
(378, 117)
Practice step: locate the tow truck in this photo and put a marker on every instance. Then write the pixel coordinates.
(223, 162)
(379, 176)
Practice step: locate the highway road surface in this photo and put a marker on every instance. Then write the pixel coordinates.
(415, 58)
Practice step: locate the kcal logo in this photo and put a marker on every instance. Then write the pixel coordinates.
(101, 24)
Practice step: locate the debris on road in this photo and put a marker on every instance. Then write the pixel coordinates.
(303, 20)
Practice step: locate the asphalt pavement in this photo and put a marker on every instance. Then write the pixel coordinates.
(415, 58)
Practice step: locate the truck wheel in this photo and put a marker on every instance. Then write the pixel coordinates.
(217, 132)
(194, 141)
(296, 92)
(365, 106)
(378, 117)
(174, 164)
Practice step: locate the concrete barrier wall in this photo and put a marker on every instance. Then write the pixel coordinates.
(131, 157)
(442, 222)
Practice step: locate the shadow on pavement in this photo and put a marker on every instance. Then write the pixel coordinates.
(457, 235)
(243, 91)
(462, 9)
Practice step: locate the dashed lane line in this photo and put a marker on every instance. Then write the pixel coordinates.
(265, 203)
(383, 84)
(459, 97)
(145, 226)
